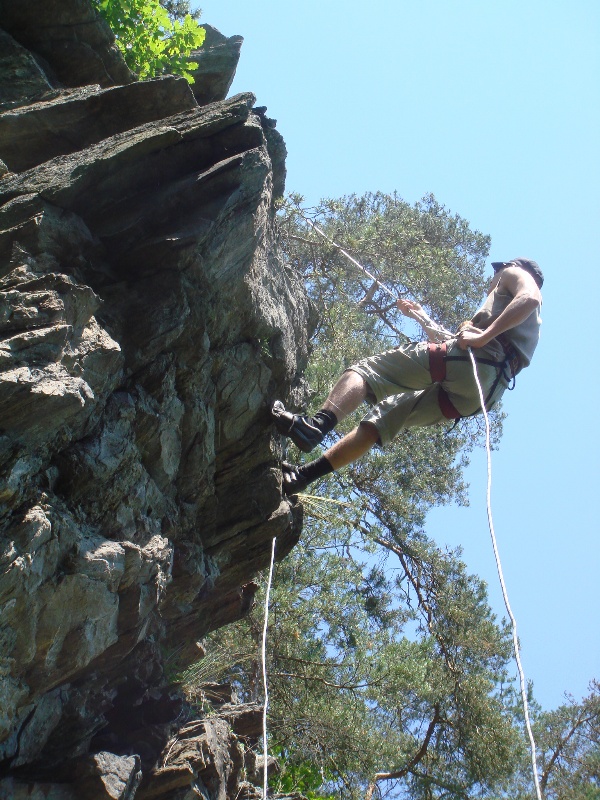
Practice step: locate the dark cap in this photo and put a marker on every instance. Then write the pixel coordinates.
(524, 263)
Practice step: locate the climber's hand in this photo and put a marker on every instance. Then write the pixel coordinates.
(409, 308)
(471, 337)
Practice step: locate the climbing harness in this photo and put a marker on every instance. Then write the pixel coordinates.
(438, 358)
(502, 584)
(264, 669)
(437, 368)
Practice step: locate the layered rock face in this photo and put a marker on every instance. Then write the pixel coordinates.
(146, 323)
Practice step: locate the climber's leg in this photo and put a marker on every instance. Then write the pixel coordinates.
(347, 450)
(348, 393)
(398, 370)
(307, 432)
(352, 446)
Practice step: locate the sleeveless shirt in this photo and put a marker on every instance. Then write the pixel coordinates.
(523, 337)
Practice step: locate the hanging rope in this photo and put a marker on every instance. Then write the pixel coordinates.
(264, 668)
(501, 576)
(349, 257)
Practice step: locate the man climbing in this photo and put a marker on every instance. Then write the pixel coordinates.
(424, 383)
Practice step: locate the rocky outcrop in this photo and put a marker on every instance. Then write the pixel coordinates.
(217, 62)
(146, 322)
(208, 755)
(68, 42)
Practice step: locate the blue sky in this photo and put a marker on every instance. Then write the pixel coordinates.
(493, 107)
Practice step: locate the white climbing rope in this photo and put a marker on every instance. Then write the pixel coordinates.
(348, 256)
(501, 576)
(264, 669)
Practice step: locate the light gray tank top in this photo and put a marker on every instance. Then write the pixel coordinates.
(524, 337)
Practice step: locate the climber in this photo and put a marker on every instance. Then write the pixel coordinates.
(423, 383)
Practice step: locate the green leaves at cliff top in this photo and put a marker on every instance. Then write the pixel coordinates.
(151, 41)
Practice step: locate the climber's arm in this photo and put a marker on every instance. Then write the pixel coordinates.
(435, 332)
(526, 299)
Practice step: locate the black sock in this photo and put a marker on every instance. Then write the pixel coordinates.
(316, 469)
(325, 421)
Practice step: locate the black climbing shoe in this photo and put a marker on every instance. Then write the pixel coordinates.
(300, 430)
(293, 481)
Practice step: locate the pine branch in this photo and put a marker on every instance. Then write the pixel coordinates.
(419, 756)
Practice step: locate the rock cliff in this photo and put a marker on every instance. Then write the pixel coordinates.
(146, 322)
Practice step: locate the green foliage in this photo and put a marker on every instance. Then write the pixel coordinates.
(568, 743)
(420, 251)
(179, 9)
(361, 667)
(303, 777)
(153, 41)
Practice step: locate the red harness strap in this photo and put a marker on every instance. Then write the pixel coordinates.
(437, 368)
(437, 361)
(446, 405)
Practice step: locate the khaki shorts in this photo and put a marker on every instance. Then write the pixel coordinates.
(405, 396)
